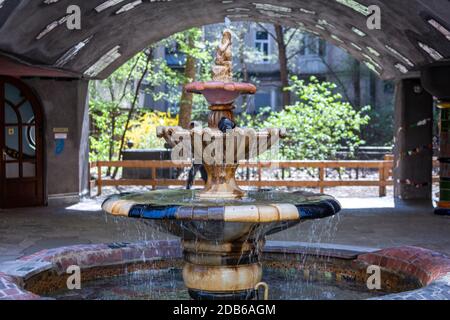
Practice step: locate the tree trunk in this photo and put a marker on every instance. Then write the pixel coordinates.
(116, 113)
(111, 141)
(186, 100)
(284, 72)
(133, 108)
(243, 64)
(373, 91)
(113, 132)
(357, 83)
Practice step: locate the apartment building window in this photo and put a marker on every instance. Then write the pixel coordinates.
(174, 57)
(268, 97)
(389, 87)
(312, 46)
(262, 44)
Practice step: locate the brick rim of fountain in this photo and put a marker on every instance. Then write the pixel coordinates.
(429, 268)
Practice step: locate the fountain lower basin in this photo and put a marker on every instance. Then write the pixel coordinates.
(152, 271)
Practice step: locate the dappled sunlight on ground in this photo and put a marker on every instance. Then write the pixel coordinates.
(86, 205)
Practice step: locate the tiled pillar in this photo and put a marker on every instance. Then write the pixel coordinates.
(443, 206)
(413, 141)
(436, 80)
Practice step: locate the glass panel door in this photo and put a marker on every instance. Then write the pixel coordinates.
(21, 161)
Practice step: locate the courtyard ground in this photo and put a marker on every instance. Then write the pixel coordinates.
(369, 222)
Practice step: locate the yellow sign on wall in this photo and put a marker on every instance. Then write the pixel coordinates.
(60, 130)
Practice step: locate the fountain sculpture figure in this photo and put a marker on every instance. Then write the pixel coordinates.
(222, 227)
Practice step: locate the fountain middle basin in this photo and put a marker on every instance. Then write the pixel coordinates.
(222, 239)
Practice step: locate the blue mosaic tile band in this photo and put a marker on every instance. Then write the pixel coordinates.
(318, 210)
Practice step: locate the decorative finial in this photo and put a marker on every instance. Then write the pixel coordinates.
(223, 70)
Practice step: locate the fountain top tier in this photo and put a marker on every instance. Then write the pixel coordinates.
(221, 92)
(225, 145)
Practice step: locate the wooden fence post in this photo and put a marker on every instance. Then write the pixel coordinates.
(259, 175)
(90, 180)
(99, 179)
(154, 176)
(321, 179)
(382, 173)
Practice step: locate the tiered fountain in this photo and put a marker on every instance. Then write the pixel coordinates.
(223, 228)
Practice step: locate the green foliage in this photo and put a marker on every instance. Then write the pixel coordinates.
(142, 131)
(379, 131)
(111, 98)
(319, 123)
(107, 120)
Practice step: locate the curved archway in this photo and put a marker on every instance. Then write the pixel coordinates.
(21, 143)
(412, 34)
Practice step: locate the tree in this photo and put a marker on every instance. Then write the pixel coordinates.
(148, 57)
(283, 60)
(192, 45)
(318, 124)
(187, 97)
(356, 75)
(108, 99)
(284, 37)
(114, 103)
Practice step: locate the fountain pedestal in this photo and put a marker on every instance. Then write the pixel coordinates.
(222, 271)
(221, 183)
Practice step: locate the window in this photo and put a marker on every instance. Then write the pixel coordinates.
(267, 98)
(312, 46)
(389, 87)
(262, 44)
(174, 57)
(262, 100)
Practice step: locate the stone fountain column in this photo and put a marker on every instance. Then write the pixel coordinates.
(222, 271)
(221, 176)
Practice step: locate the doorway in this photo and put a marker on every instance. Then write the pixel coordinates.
(21, 145)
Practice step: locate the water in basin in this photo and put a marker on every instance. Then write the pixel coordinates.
(168, 284)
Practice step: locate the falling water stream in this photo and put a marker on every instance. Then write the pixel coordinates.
(285, 284)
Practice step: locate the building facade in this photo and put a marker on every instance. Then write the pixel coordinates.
(312, 56)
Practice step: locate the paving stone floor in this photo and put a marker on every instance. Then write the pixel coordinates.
(369, 222)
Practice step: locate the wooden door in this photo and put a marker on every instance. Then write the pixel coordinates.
(21, 144)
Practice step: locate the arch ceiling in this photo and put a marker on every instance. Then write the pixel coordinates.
(413, 32)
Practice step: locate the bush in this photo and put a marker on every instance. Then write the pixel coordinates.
(318, 124)
(142, 132)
